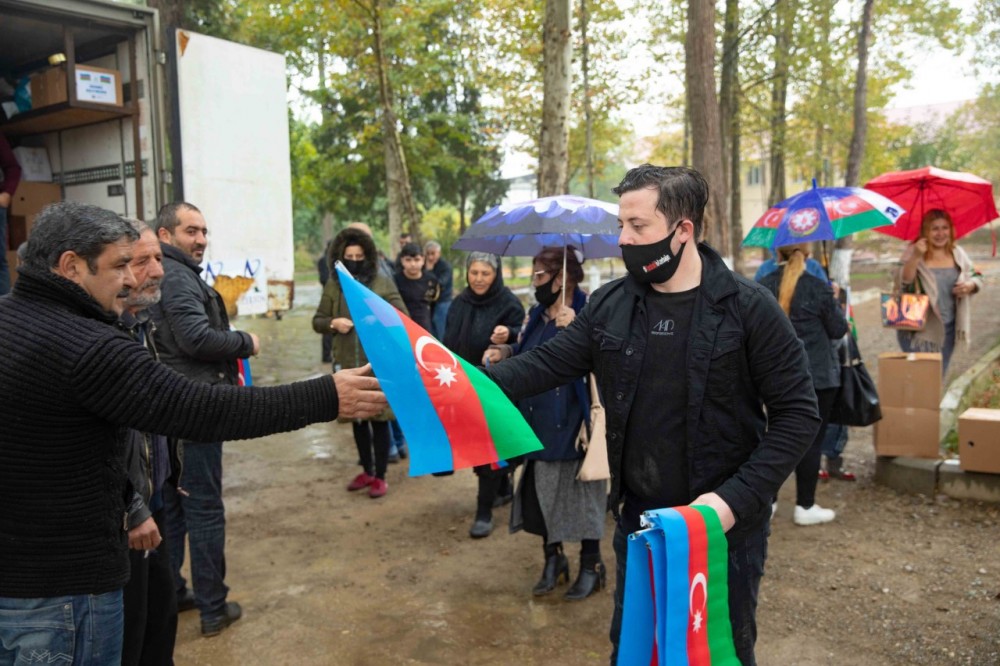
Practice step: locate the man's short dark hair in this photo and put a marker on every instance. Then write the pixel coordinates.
(410, 250)
(167, 217)
(68, 226)
(683, 192)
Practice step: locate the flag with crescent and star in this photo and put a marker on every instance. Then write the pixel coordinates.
(676, 610)
(453, 415)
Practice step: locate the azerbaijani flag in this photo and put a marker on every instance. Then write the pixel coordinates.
(677, 592)
(453, 415)
(243, 377)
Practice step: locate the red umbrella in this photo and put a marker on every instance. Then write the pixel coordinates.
(967, 198)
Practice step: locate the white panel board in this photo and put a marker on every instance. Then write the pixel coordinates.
(235, 157)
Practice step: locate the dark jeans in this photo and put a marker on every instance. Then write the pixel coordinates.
(807, 471)
(201, 516)
(326, 348)
(150, 606)
(373, 437)
(4, 269)
(834, 441)
(747, 553)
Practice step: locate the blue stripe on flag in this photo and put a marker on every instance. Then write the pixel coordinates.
(388, 348)
(675, 590)
(635, 644)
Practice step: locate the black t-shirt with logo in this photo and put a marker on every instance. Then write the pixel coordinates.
(654, 463)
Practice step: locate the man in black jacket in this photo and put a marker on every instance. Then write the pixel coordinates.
(149, 599)
(194, 338)
(72, 382)
(687, 355)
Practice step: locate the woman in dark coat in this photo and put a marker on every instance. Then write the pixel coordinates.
(550, 501)
(818, 320)
(356, 250)
(485, 313)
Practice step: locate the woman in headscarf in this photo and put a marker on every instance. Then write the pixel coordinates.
(550, 501)
(818, 320)
(485, 313)
(356, 250)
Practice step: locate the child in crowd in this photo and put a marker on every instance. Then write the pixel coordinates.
(418, 287)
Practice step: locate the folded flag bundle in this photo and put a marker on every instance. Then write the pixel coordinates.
(676, 609)
(243, 377)
(453, 416)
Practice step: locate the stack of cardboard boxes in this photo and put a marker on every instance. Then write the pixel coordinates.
(909, 389)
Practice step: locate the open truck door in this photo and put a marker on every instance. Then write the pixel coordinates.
(235, 166)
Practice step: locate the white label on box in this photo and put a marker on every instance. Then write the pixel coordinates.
(96, 87)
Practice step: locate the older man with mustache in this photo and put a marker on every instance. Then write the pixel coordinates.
(149, 601)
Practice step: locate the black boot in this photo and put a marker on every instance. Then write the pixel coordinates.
(556, 567)
(593, 577)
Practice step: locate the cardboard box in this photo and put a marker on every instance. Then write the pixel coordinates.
(30, 198)
(908, 431)
(18, 229)
(48, 87)
(979, 440)
(909, 380)
(93, 84)
(11, 266)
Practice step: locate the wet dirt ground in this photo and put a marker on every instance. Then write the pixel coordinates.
(331, 577)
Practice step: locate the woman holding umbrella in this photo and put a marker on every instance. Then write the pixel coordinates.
(485, 313)
(936, 266)
(818, 320)
(550, 502)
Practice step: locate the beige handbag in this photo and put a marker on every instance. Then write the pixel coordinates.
(595, 461)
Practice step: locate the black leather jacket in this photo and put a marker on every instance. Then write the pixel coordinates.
(192, 327)
(140, 447)
(743, 355)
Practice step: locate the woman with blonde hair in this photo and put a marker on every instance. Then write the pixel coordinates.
(934, 265)
(815, 314)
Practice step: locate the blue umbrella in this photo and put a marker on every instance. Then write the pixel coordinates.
(522, 229)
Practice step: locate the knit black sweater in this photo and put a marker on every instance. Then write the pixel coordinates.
(70, 383)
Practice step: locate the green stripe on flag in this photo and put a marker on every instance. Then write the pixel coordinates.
(759, 237)
(720, 630)
(511, 434)
(860, 222)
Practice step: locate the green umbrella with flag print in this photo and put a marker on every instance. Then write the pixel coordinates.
(822, 214)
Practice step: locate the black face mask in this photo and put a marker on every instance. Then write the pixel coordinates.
(544, 295)
(653, 263)
(354, 266)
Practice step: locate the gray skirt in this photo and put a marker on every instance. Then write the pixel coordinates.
(573, 510)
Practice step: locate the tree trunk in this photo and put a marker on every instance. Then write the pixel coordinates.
(784, 23)
(703, 105)
(402, 208)
(857, 153)
(729, 113)
(588, 119)
(553, 153)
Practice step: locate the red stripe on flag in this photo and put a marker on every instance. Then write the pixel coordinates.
(447, 387)
(697, 636)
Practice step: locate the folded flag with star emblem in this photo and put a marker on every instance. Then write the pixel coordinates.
(676, 609)
(453, 416)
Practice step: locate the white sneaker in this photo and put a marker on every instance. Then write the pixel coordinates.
(814, 515)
